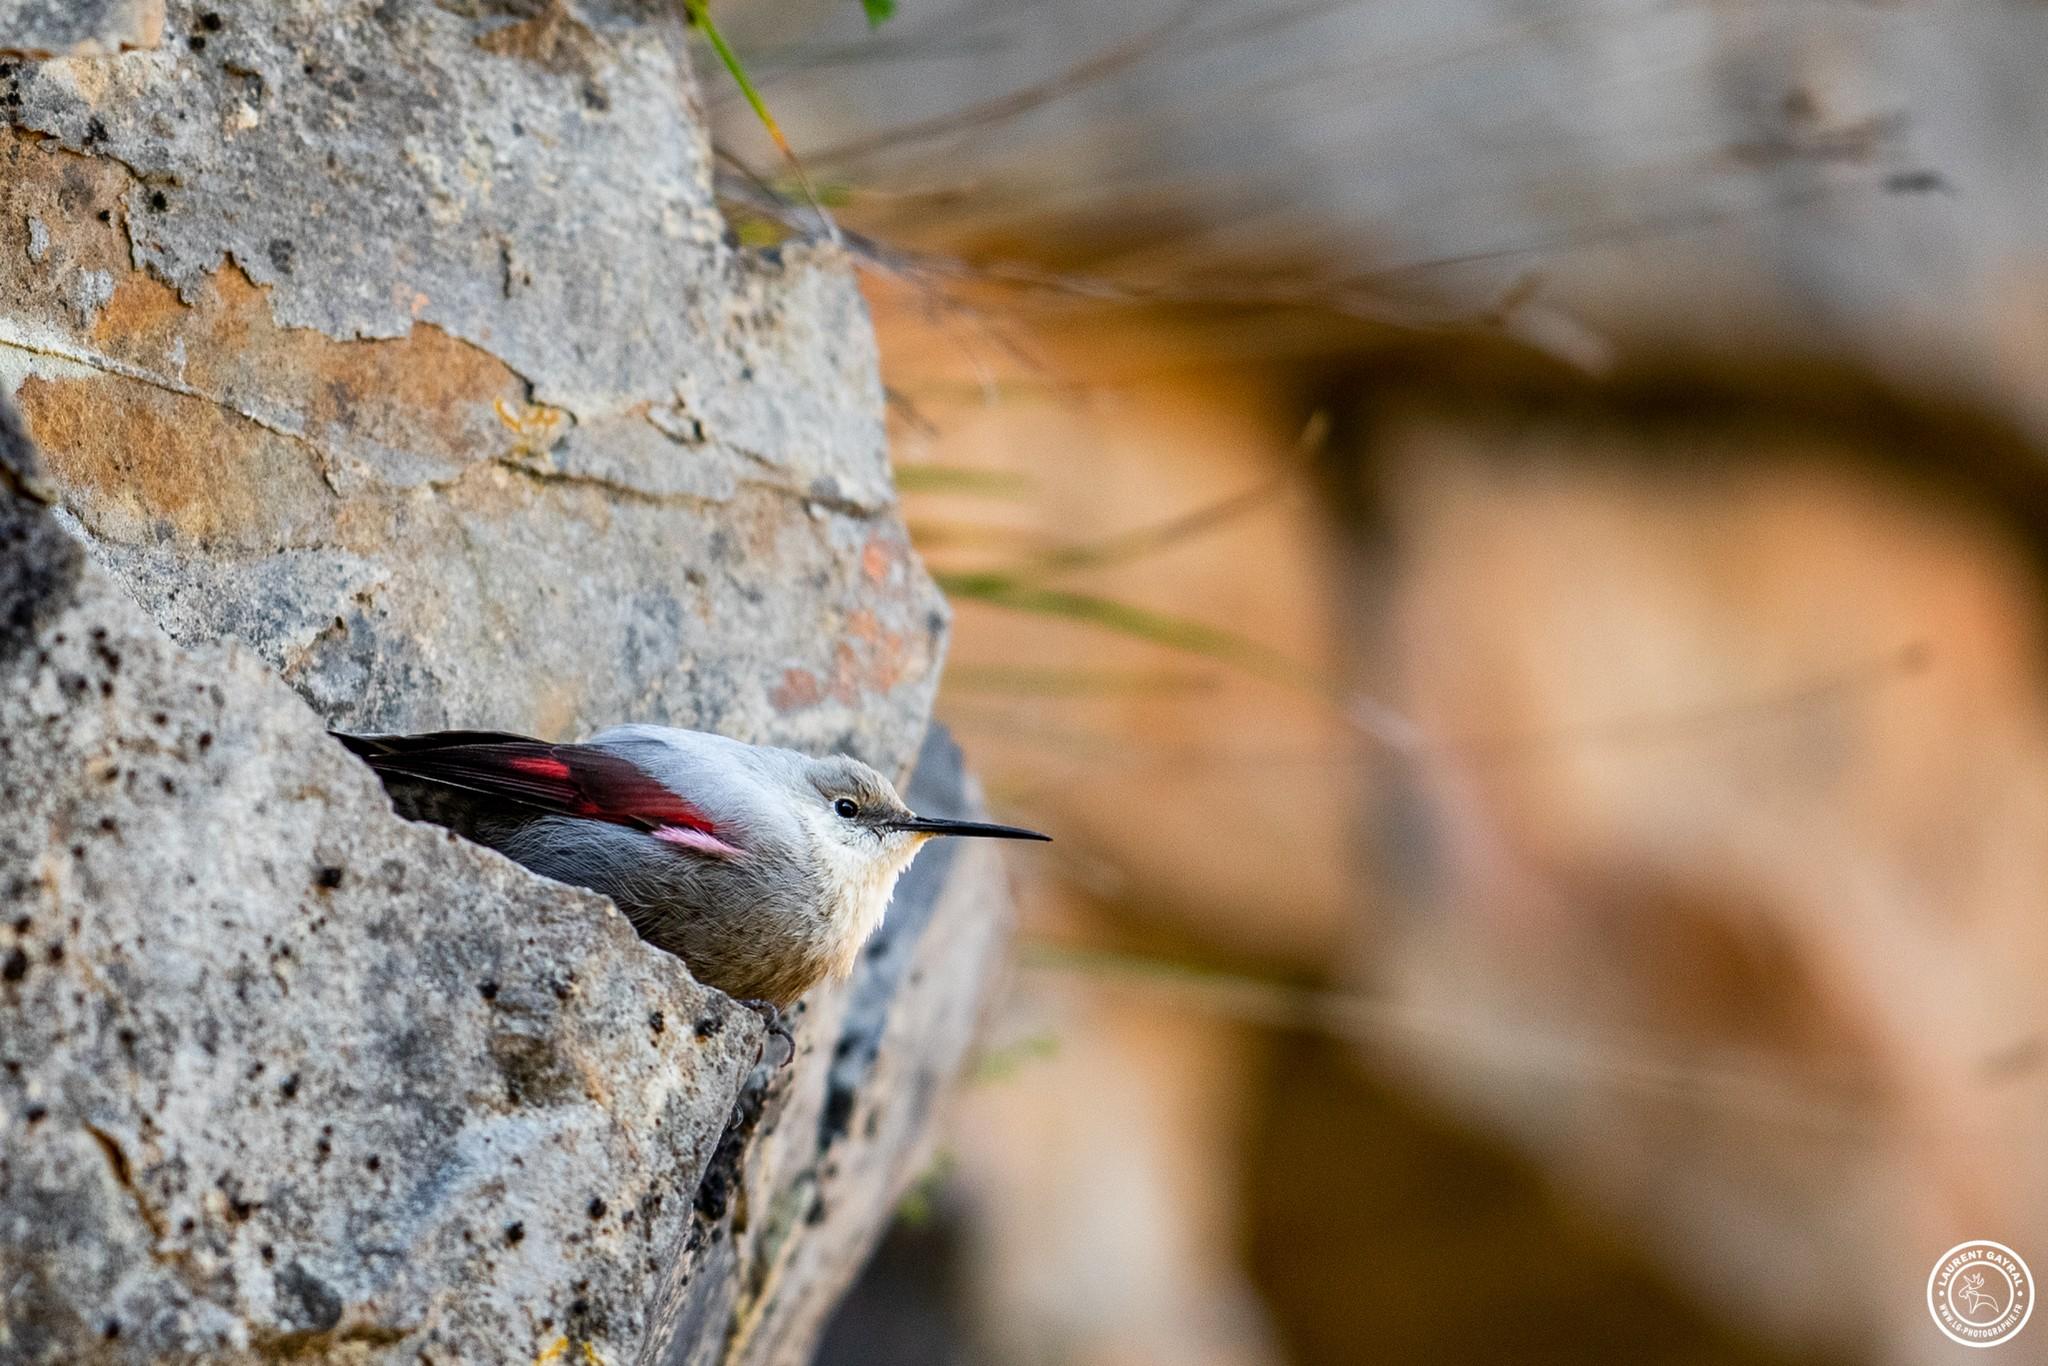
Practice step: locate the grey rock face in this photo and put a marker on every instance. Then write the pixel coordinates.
(402, 342)
(284, 1072)
(281, 1074)
(392, 356)
(48, 28)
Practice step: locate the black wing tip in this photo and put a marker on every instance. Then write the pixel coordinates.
(366, 746)
(372, 745)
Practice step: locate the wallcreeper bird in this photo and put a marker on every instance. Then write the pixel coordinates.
(765, 870)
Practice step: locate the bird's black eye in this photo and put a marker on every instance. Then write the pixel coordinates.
(847, 807)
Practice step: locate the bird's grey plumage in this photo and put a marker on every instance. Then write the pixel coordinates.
(766, 872)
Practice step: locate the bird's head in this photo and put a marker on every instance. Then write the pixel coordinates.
(865, 835)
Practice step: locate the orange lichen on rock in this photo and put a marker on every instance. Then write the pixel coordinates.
(393, 409)
(427, 393)
(799, 689)
(135, 458)
(871, 659)
(879, 556)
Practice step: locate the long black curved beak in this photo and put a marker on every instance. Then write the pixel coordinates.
(932, 825)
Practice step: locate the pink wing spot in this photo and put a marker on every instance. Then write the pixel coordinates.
(703, 841)
(540, 768)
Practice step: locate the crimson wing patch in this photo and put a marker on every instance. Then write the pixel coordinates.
(570, 780)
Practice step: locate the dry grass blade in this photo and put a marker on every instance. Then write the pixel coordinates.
(1356, 297)
(1085, 73)
(1763, 1086)
(1127, 546)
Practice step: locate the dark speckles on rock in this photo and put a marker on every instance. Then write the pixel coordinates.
(515, 1233)
(328, 878)
(533, 1069)
(596, 1208)
(417, 652)
(313, 1305)
(487, 990)
(837, 1113)
(15, 966)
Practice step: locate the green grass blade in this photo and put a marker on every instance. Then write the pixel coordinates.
(1180, 633)
(699, 14)
(1056, 681)
(963, 479)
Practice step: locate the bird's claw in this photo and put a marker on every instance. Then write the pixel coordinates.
(771, 1020)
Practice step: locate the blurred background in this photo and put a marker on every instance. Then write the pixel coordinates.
(1505, 540)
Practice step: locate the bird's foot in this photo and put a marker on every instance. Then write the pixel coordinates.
(771, 1019)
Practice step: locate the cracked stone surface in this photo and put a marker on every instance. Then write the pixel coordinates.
(280, 1072)
(283, 1076)
(391, 369)
(423, 318)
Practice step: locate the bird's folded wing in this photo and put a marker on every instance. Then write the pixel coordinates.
(570, 780)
